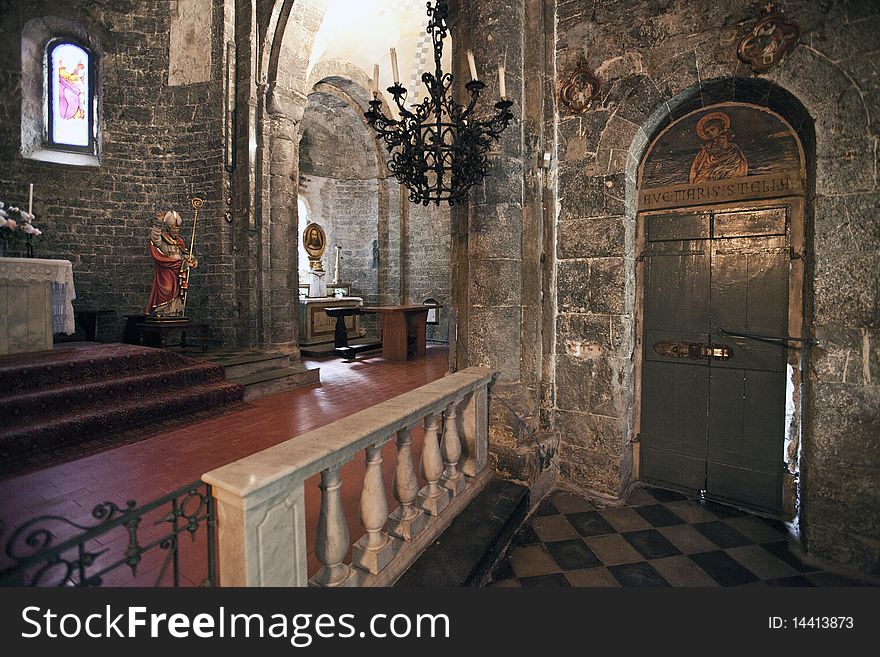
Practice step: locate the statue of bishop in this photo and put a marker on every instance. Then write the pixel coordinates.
(172, 262)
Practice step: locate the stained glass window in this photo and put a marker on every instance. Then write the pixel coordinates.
(71, 101)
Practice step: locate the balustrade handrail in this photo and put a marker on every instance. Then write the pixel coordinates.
(308, 454)
(261, 498)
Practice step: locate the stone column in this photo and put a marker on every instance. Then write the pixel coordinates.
(280, 229)
(283, 294)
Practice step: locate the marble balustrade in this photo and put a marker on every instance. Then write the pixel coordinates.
(260, 498)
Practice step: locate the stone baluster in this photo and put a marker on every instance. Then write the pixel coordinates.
(331, 540)
(375, 549)
(406, 521)
(450, 447)
(433, 498)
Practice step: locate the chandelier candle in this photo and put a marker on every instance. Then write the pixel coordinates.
(473, 65)
(375, 80)
(439, 148)
(502, 87)
(394, 66)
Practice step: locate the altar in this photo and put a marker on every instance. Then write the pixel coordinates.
(316, 327)
(36, 301)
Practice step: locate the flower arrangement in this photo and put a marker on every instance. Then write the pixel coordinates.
(12, 230)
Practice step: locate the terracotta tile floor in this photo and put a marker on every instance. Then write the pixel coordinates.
(162, 463)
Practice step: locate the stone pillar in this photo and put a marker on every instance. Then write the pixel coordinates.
(262, 537)
(283, 233)
(499, 316)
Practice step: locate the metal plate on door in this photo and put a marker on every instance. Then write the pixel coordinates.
(696, 350)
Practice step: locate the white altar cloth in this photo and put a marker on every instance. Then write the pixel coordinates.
(39, 270)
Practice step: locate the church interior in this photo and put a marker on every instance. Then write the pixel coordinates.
(416, 292)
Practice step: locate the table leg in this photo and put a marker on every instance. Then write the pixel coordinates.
(340, 337)
(394, 334)
(417, 326)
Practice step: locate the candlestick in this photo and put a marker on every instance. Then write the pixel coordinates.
(502, 87)
(336, 270)
(30, 197)
(394, 66)
(376, 80)
(472, 64)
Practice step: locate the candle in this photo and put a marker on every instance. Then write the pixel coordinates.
(30, 197)
(502, 87)
(376, 80)
(394, 66)
(472, 64)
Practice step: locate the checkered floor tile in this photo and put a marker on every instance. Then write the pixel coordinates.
(657, 538)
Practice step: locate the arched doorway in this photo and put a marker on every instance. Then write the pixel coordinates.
(720, 250)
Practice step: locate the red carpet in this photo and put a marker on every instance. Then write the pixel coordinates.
(52, 402)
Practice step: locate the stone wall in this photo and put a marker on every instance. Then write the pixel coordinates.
(657, 61)
(426, 250)
(158, 146)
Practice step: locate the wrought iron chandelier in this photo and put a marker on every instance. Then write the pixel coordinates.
(438, 148)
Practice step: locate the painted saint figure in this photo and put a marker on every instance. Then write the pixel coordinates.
(171, 261)
(719, 157)
(71, 92)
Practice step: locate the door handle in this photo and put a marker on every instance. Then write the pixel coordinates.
(695, 350)
(783, 340)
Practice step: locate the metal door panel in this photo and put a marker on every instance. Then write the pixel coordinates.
(660, 466)
(674, 415)
(676, 302)
(744, 487)
(750, 295)
(677, 227)
(708, 422)
(749, 223)
(681, 267)
(746, 418)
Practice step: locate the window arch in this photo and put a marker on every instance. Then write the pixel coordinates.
(70, 96)
(44, 41)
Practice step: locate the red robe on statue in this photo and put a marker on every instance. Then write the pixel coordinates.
(166, 275)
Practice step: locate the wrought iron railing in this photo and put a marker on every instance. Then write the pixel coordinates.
(51, 550)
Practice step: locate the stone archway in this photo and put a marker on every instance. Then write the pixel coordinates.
(720, 412)
(778, 102)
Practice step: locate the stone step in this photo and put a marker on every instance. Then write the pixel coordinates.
(466, 552)
(237, 363)
(328, 349)
(246, 365)
(281, 379)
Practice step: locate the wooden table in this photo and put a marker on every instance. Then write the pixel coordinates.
(403, 329)
(340, 340)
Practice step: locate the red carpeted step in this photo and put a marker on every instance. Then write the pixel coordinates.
(34, 406)
(43, 370)
(86, 424)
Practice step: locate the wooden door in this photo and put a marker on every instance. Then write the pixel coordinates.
(713, 390)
